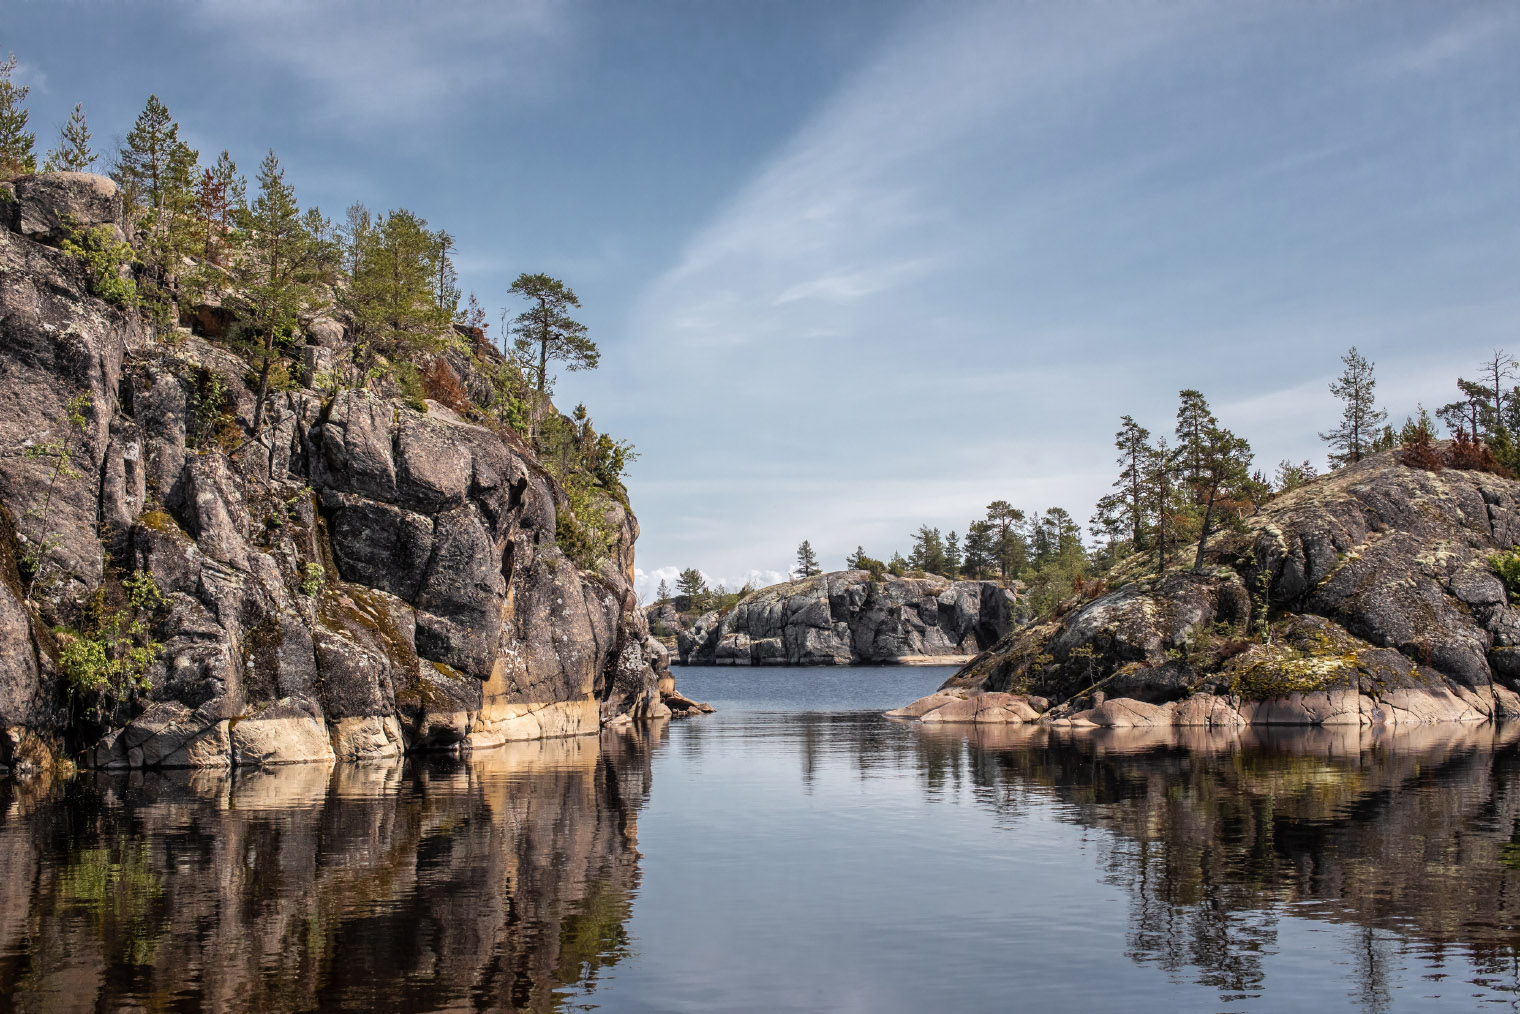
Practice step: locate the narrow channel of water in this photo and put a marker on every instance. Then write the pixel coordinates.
(795, 851)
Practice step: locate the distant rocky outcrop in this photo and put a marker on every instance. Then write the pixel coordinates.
(850, 617)
(1367, 596)
(359, 579)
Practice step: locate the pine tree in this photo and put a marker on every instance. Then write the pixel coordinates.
(979, 558)
(391, 297)
(1160, 471)
(1351, 441)
(928, 553)
(16, 142)
(662, 594)
(546, 329)
(273, 273)
(807, 561)
(952, 555)
(1009, 549)
(1226, 472)
(1497, 368)
(1124, 510)
(474, 316)
(157, 174)
(445, 278)
(73, 153)
(691, 584)
(1193, 420)
(221, 196)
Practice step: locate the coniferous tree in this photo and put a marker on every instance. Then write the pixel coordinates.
(16, 142)
(691, 584)
(1009, 549)
(1161, 468)
(979, 560)
(928, 553)
(391, 296)
(322, 244)
(1497, 368)
(1351, 441)
(546, 330)
(1290, 476)
(952, 555)
(1124, 510)
(662, 594)
(445, 278)
(807, 560)
(354, 233)
(1226, 472)
(73, 153)
(273, 273)
(474, 316)
(1193, 420)
(221, 196)
(157, 174)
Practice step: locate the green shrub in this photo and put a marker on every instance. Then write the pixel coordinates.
(313, 575)
(1507, 566)
(103, 257)
(110, 660)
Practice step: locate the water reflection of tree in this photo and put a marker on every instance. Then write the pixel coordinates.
(1214, 837)
(496, 884)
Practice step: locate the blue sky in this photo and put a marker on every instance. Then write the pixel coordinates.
(858, 266)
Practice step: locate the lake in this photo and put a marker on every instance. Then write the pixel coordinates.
(795, 851)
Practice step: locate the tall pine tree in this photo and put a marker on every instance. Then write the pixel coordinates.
(1352, 439)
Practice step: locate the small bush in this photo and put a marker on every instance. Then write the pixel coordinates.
(103, 257)
(1507, 566)
(313, 576)
(1473, 455)
(443, 386)
(109, 661)
(1420, 452)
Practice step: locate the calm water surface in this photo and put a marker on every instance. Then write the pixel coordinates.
(793, 852)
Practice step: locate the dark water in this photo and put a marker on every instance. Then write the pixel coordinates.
(794, 851)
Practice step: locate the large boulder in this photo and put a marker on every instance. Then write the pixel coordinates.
(53, 206)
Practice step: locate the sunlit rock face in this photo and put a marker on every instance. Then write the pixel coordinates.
(852, 617)
(360, 579)
(440, 883)
(1365, 597)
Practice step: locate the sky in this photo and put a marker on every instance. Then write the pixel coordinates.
(860, 266)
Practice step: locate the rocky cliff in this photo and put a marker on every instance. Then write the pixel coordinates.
(1368, 596)
(364, 576)
(849, 617)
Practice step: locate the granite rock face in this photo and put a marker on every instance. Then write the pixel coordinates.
(848, 617)
(1365, 597)
(359, 579)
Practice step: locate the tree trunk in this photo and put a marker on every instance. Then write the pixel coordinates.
(258, 404)
(1203, 536)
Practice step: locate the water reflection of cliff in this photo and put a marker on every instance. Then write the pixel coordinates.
(491, 884)
(1413, 837)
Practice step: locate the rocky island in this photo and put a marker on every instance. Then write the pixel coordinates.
(1369, 596)
(230, 542)
(849, 617)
